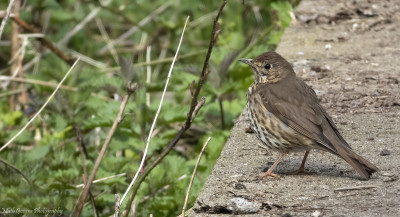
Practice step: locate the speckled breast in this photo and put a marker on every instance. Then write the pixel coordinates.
(270, 130)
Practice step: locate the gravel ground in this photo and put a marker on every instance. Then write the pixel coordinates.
(349, 52)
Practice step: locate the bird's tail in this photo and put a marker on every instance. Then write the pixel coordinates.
(361, 165)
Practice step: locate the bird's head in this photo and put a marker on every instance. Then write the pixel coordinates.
(269, 67)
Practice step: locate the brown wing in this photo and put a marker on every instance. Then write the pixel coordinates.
(296, 104)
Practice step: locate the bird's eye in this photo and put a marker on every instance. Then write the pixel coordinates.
(267, 66)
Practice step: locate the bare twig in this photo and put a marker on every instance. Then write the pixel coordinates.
(135, 28)
(117, 13)
(118, 119)
(117, 206)
(204, 73)
(360, 187)
(39, 82)
(46, 83)
(79, 26)
(154, 62)
(12, 92)
(221, 110)
(106, 38)
(15, 48)
(70, 60)
(5, 19)
(102, 179)
(186, 126)
(193, 175)
(158, 112)
(85, 58)
(84, 155)
(198, 107)
(148, 77)
(16, 169)
(41, 109)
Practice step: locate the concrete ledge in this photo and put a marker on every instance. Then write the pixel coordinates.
(349, 52)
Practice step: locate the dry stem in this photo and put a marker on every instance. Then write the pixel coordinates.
(44, 40)
(85, 190)
(44, 105)
(3, 23)
(158, 112)
(82, 149)
(193, 175)
(214, 35)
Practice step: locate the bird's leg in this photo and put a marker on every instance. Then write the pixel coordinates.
(301, 170)
(269, 172)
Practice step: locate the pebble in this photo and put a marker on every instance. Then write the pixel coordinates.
(316, 214)
(384, 152)
(242, 206)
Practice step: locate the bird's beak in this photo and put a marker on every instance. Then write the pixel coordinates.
(247, 61)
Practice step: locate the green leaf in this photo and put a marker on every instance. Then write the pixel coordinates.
(10, 118)
(37, 153)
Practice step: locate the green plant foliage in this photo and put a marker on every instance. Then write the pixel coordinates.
(47, 152)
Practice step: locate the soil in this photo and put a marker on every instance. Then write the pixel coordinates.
(349, 52)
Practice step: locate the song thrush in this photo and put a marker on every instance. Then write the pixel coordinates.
(286, 116)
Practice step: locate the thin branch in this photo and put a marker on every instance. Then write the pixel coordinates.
(151, 167)
(15, 49)
(84, 155)
(70, 60)
(189, 120)
(132, 30)
(41, 109)
(204, 73)
(16, 169)
(198, 107)
(106, 38)
(38, 82)
(117, 206)
(193, 175)
(148, 77)
(86, 59)
(11, 92)
(81, 201)
(221, 110)
(79, 26)
(158, 112)
(117, 13)
(154, 62)
(102, 179)
(5, 19)
(360, 187)
(46, 83)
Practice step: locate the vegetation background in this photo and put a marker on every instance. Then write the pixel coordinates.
(46, 156)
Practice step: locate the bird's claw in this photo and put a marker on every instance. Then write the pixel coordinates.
(262, 175)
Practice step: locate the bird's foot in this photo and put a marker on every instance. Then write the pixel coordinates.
(262, 175)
